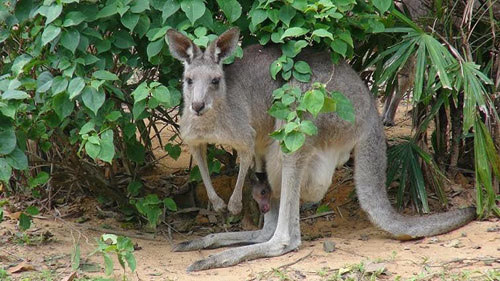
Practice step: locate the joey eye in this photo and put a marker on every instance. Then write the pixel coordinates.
(263, 192)
(189, 81)
(216, 81)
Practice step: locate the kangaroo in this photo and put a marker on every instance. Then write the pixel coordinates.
(241, 110)
(210, 115)
(261, 193)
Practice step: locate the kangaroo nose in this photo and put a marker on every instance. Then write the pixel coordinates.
(198, 106)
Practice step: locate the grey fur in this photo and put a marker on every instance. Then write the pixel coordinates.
(239, 118)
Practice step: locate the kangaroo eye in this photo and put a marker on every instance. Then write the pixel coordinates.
(216, 81)
(263, 192)
(189, 81)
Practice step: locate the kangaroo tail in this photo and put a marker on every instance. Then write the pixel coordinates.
(370, 177)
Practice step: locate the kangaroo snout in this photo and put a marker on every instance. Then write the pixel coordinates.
(198, 107)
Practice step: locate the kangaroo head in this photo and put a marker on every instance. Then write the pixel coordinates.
(204, 83)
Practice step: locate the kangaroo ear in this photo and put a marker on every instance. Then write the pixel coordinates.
(224, 45)
(181, 47)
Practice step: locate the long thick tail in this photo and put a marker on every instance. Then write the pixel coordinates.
(370, 177)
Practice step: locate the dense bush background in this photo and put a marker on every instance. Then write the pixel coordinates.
(86, 85)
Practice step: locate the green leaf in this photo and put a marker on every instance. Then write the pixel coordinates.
(170, 204)
(107, 151)
(294, 32)
(9, 140)
(32, 210)
(138, 109)
(193, 9)
(17, 159)
(286, 14)
(339, 47)
(123, 39)
(279, 110)
(50, 33)
(105, 75)
(5, 170)
(70, 39)
(51, 13)
(1, 212)
(41, 178)
(14, 95)
(169, 8)
(92, 149)
(302, 67)
(107, 11)
(329, 105)
(322, 33)
(302, 77)
(154, 48)
(74, 18)
(134, 188)
(24, 222)
(294, 140)
(274, 68)
(44, 82)
(93, 99)
(308, 127)
(343, 107)
(382, 5)
(19, 63)
(113, 116)
(87, 128)
(75, 257)
(59, 85)
(290, 127)
(258, 16)
(129, 257)
(231, 9)
(108, 264)
(130, 20)
(139, 6)
(173, 151)
(141, 92)
(313, 102)
(63, 106)
(162, 94)
(75, 87)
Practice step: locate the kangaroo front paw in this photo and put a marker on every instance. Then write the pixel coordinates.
(234, 206)
(218, 204)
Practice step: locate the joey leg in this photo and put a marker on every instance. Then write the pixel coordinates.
(287, 235)
(199, 153)
(235, 205)
(234, 238)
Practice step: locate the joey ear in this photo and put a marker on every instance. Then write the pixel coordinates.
(224, 45)
(181, 47)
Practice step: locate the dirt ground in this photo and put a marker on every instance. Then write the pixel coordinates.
(360, 250)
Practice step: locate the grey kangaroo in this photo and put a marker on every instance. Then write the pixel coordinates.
(212, 116)
(238, 111)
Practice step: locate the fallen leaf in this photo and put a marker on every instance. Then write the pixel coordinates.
(14, 216)
(21, 268)
(375, 267)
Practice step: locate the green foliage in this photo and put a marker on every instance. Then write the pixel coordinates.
(296, 25)
(25, 218)
(296, 108)
(404, 163)
(119, 245)
(151, 207)
(444, 73)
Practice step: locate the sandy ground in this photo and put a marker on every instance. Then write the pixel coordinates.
(473, 249)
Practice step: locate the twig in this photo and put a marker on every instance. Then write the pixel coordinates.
(122, 233)
(296, 261)
(318, 215)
